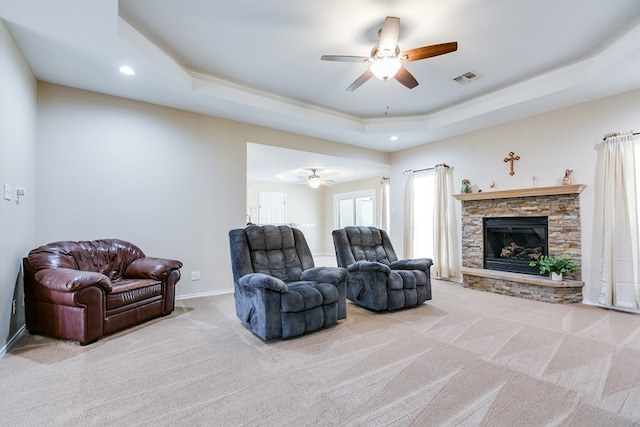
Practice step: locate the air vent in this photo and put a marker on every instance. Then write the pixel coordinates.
(467, 77)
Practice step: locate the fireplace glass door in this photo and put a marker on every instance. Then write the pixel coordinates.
(511, 243)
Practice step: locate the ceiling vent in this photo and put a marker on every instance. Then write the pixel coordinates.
(467, 77)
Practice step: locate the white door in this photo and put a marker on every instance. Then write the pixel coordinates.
(273, 208)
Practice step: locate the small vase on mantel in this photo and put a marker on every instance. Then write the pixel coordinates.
(556, 277)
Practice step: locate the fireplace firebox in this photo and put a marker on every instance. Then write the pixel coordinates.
(511, 243)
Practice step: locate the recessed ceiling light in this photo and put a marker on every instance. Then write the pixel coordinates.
(127, 70)
(394, 138)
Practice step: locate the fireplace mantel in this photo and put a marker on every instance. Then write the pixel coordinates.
(524, 192)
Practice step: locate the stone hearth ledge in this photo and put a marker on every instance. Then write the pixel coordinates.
(525, 286)
(523, 278)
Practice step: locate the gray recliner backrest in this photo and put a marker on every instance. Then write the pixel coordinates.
(354, 244)
(278, 251)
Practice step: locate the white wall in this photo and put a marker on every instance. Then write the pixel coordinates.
(18, 98)
(304, 208)
(547, 145)
(170, 181)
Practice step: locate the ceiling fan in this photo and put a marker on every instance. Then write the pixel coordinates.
(314, 180)
(386, 59)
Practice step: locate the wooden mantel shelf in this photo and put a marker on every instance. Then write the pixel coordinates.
(524, 192)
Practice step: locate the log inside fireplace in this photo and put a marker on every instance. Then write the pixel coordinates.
(511, 243)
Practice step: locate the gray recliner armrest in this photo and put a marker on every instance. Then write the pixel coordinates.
(260, 280)
(333, 275)
(369, 266)
(412, 264)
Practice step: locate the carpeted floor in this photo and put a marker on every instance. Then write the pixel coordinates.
(467, 358)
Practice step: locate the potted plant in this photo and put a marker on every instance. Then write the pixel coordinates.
(555, 266)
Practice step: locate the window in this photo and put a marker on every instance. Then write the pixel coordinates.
(423, 188)
(354, 208)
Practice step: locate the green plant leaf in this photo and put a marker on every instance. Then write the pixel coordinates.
(548, 265)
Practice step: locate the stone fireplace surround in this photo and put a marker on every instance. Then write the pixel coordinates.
(560, 204)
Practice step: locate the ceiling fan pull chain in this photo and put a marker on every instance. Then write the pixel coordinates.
(386, 96)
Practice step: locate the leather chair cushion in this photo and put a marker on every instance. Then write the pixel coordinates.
(130, 291)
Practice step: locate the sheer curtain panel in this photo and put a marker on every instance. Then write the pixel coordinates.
(619, 260)
(408, 214)
(445, 230)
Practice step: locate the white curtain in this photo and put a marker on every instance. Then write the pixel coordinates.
(619, 261)
(445, 235)
(384, 204)
(408, 214)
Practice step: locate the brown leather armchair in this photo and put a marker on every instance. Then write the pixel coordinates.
(84, 290)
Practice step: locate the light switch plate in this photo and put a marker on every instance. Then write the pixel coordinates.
(8, 192)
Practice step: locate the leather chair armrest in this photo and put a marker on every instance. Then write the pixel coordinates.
(412, 264)
(69, 280)
(261, 280)
(151, 268)
(333, 275)
(369, 266)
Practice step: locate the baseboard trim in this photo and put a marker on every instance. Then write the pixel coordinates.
(12, 341)
(204, 294)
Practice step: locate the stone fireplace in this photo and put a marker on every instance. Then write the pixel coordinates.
(558, 207)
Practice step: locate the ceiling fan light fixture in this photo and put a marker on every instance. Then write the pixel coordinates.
(385, 68)
(314, 181)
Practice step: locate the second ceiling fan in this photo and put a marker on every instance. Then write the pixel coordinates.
(386, 59)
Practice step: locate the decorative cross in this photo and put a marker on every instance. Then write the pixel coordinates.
(511, 159)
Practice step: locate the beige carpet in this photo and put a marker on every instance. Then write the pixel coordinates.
(467, 358)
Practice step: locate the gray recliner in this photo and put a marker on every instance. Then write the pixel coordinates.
(279, 293)
(376, 278)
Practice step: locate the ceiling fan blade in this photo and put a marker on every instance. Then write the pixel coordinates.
(406, 78)
(360, 81)
(428, 51)
(345, 58)
(389, 34)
